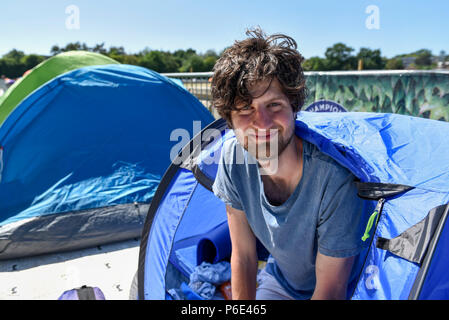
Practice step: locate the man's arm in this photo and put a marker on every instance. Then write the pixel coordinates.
(332, 276)
(243, 257)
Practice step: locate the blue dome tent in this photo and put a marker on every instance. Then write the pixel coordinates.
(81, 157)
(402, 164)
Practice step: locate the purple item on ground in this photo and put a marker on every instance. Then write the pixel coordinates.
(83, 293)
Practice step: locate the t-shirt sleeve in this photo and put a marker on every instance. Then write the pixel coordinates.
(223, 187)
(341, 222)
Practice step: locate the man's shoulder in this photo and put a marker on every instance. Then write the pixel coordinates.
(315, 153)
(232, 177)
(323, 160)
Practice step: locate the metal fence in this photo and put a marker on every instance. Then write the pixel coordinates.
(198, 83)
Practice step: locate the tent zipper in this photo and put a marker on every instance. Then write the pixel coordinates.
(374, 216)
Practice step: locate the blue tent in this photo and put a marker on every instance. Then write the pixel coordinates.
(402, 164)
(81, 157)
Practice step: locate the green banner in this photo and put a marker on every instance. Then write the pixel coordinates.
(416, 93)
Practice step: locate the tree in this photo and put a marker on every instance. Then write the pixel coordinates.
(55, 50)
(211, 53)
(193, 64)
(32, 60)
(339, 57)
(184, 54)
(131, 59)
(116, 53)
(209, 62)
(314, 64)
(423, 58)
(14, 55)
(12, 65)
(394, 64)
(372, 59)
(159, 61)
(73, 46)
(99, 48)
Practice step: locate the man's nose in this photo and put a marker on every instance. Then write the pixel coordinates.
(262, 119)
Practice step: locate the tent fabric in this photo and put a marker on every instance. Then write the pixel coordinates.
(432, 278)
(162, 234)
(69, 231)
(388, 150)
(94, 139)
(162, 223)
(413, 243)
(387, 144)
(45, 71)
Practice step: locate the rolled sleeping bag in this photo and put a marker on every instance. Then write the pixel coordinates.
(215, 246)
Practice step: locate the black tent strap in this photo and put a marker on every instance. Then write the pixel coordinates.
(202, 178)
(188, 156)
(375, 190)
(412, 244)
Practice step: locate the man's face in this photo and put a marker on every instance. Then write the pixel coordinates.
(266, 126)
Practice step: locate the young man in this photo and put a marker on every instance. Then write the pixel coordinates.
(300, 204)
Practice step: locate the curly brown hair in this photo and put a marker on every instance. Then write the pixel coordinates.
(254, 59)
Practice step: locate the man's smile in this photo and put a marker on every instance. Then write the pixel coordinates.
(263, 135)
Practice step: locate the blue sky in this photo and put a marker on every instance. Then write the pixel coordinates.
(404, 26)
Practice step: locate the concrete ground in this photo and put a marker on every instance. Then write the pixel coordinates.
(109, 267)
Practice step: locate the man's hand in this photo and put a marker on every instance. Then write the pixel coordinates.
(243, 257)
(332, 276)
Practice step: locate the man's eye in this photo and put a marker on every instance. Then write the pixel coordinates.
(274, 105)
(245, 110)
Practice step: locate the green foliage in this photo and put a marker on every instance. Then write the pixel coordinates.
(372, 59)
(423, 58)
(425, 95)
(15, 63)
(339, 57)
(314, 64)
(159, 61)
(342, 57)
(32, 60)
(394, 64)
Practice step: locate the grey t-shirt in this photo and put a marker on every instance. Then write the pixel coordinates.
(323, 213)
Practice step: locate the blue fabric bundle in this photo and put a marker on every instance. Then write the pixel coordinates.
(203, 281)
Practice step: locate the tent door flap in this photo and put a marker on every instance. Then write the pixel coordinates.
(412, 244)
